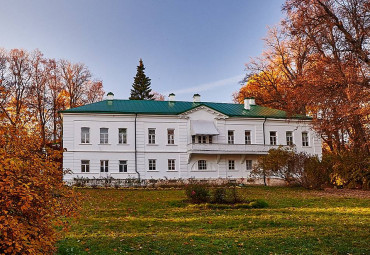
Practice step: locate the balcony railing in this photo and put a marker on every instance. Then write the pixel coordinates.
(217, 148)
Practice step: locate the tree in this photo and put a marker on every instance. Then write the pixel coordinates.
(317, 62)
(15, 87)
(141, 87)
(75, 78)
(157, 96)
(34, 200)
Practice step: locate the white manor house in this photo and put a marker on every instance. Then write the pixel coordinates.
(144, 139)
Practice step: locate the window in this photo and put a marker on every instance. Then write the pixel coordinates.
(273, 137)
(202, 139)
(304, 139)
(202, 165)
(248, 139)
(104, 135)
(122, 135)
(170, 136)
(230, 137)
(231, 164)
(152, 164)
(289, 138)
(85, 135)
(151, 135)
(171, 165)
(104, 166)
(193, 138)
(85, 166)
(210, 139)
(248, 164)
(123, 166)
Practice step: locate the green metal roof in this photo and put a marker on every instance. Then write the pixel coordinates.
(177, 107)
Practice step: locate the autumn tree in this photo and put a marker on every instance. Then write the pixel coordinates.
(15, 86)
(34, 200)
(157, 96)
(317, 62)
(56, 100)
(141, 87)
(33, 89)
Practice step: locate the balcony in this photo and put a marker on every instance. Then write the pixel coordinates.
(218, 148)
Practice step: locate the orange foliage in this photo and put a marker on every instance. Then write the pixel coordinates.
(33, 197)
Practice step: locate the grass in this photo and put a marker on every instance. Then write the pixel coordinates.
(297, 221)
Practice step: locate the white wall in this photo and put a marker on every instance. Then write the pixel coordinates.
(161, 151)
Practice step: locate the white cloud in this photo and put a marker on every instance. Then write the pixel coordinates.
(211, 85)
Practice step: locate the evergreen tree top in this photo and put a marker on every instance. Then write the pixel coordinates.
(141, 87)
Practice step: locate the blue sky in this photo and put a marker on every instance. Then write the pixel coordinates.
(187, 46)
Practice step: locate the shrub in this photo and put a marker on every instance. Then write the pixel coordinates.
(219, 196)
(259, 203)
(295, 168)
(197, 193)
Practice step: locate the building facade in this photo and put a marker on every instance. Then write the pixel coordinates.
(175, 139)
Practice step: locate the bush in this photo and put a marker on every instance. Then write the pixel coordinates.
(295, 168)
(219, 196)
(197, 193)
(259, 203)
(316, 173)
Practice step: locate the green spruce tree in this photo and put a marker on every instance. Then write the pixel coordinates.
(141, 87)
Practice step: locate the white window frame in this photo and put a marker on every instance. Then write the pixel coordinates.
(230, 137)
(171, 165)
(305, 139)
(248, 164)
(170, 136)
(231, 164)
(202, 164)
(248, 138)
(85, 136)
(104, 166)
(104, 136)
(289, 138)
(122, 136)
(122, 166)
(85, 166)
(151, 135)
(273, 138)
(152, 164)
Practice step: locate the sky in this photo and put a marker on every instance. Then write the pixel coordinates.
(187, 46)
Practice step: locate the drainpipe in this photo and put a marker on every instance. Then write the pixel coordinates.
(264, 143)
(264, 137)
(138, 174)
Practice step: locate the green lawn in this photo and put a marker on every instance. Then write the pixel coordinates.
(297, 221)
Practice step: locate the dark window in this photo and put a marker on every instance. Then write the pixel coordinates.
(122, 135)
(171, 165)
(248, 139)
(85, 166)
(230, 137)
(104, 166)
(123, 166)
(273, 137)
(152, 164)
(104, 135)
(202, 165)
(289, 138)
(85, 135)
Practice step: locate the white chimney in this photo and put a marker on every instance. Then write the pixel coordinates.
(110, 96)
(252, 101)
(171, 97)
(196, 98)
(247, 104)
